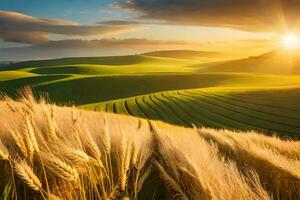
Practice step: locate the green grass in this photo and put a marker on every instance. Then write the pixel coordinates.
(89, 69)
(255, 93)
(12, 75)
(270, 111)
(98, 62)
(202, 56)
(276, 62)
(83, 90)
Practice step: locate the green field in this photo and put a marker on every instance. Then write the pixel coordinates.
(270, 111)
(260, 93)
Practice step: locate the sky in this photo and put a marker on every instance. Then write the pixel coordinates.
(32, 29)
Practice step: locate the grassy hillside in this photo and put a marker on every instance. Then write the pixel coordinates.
(98, 62)
(267, 110)
(204, 56)
(50, 152)
(83, 90)
(90, 80)
(173, 86)
(275, 62)
(12, 75)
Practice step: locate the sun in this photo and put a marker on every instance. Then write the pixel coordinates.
(290, 42)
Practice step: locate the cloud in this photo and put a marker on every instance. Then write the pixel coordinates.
(113, 43)
(249, 15)
(24, 37)
(129, 22)
(21, 28)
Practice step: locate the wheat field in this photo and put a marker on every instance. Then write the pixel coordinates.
(52, 152)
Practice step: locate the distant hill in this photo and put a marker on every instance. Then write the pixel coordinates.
(189, 54)
(112, 60)
(4, 62)
(274, 62)
(130, 60)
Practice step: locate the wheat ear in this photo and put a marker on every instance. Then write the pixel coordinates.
(31, 133)
(29, 136)
(51, 131)
(77, 158)
(28, 176)
(62, 169)
(19, 142)
(93, 150)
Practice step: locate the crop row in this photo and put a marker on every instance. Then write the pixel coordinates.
(208, 109)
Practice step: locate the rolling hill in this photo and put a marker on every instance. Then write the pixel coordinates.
(275, 62)
(204, 56)
(271, 108)
(175, 86)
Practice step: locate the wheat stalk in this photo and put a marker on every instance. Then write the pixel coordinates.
(134, 153)
(114, 192)
(11, 107)
(29, 135)
(18, 141)
(28, 142)
(122, 154)
(106, 138)
(142, 179)
(77, 158)
(127, 157)
(74, 117)
(90, 145)
(170, 182)
(28, 176)
(62, 169)
(52, 134)
(54, 197)
(123, 180)
(4, 154)
(93, 150)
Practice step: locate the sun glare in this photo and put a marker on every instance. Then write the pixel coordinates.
(290, 42)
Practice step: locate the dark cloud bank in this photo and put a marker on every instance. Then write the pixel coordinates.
(249, 15)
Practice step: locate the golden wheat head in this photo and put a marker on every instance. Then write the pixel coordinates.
(27, 175)
(62, 169)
